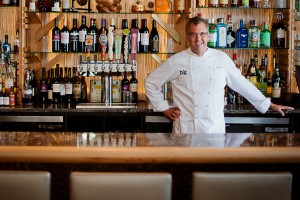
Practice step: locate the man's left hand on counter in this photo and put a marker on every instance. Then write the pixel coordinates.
(280, 108)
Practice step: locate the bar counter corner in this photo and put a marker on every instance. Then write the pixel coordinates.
(179, 154)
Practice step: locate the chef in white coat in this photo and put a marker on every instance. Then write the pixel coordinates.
(198, 76)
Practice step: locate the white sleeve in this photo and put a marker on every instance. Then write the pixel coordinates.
(237, 82)
(154, 83)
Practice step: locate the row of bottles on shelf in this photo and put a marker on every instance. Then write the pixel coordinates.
(8, 73)
(140, 6)
(260, 76)
(224, 35)
(242, 3)
(62, 87)
(106, 40)
(9, 2)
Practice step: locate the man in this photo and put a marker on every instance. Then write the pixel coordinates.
(199, 75)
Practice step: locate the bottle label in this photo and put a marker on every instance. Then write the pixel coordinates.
(276, 91)
(50, 94)
(224, 2)
(144, 38)
(66, 4)
(12, 99)
(44, 88)
(213, 2)
(222, 37)
(280, 33)
(82, 34)
(155, 44)
(253, 80)
(125, 87)
(77, 91)
(56, 88)
(6, 101)
(116, 90)
(65, 38)
(1, 100)
(213, 37)
(230, 40)
(28, 91)
(255, 36)
(62, 89)
(56, 37)
(103, 39)
(69, 88)
(74, 36)
(133, 87)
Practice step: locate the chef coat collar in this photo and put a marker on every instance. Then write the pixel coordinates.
(189, 51)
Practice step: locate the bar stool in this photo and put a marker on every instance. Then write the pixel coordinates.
(18, 185)
(246, 186)
(125, 186)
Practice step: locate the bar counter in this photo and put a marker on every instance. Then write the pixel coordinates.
(178, 154)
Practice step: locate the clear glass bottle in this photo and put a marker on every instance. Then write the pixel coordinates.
(242, 35)
(213, 3)
(265, 36)
(223, 3)
(212, 42)
(253, 35)
(230, 33)
(221, 33)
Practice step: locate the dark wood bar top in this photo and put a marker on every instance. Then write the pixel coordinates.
(141, 148)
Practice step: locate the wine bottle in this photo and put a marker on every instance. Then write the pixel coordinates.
(82, 33)
(69, 86)
(103, 36)
(27, 91)
(124, 84)
(76, 86)
(279, 31)
(154, 38)
(144, 31)
(65, 37)
(56, 86)
(56, 37)
(43, 87)
(50, 84)
(94, 32)
(62, 86)
(74, 37)
(33, 83)
(83, 90)
(133, 85)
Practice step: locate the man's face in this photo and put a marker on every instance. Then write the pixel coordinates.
(197, 37)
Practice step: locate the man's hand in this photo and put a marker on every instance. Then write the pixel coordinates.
(172, 113)
(280, 108)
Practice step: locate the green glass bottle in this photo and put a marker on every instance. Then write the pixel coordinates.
(254, 35)
(265, 36)
(212, 42)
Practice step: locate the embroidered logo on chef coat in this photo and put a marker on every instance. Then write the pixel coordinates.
(183, 72)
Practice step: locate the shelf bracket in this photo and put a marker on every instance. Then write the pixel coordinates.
(158, 59)
(174, 34)
(44, 30)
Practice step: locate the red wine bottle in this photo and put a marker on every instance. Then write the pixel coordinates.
(154, 38)
(82, 33)
(144, 31)
(74, 37)
(56, 37)
(65, 37)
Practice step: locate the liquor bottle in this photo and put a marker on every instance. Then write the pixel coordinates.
(276, 83)
(124, 84)
(253, 35)
(279, 3)
(221, 33)
(12, 97)
(82, 33)
(244, 3)
(265, 36)
(252, 76)
(69, 86)
(65, 37)
(93, 30)
(56, 37)
(200, 3)
(76, 86)
(103, 36)
(6, 97)
(1, 94)
(62, 86)
(43, 87)
(230, 33)
(66, 5)
(133, 85)
(56, 86)
(223, 3)
(212, 42)
(234, 3)
(179, 6)
(154, 38)
(213, 3)
(16, 42)
(34, 86)
(83, 90)
(56, 6)
(262, 82)
(6, 47)
(279, 31)
(242, 35)
(74, 37)
(134, 25)
(5, 2)
(144, 31)
(255, 3)
(50, 84)
(27, 90)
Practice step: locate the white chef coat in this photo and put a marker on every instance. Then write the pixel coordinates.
(198, 89)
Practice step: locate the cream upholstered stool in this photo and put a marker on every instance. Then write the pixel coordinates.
(125, 186)
(22, 185)
(245, 186)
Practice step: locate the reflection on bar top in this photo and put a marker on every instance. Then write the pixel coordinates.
(112, 139)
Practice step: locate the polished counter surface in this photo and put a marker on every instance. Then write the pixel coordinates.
(109, 147)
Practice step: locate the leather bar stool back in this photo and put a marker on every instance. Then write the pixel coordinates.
(116, 186)
(245, 186)
(24, 185)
